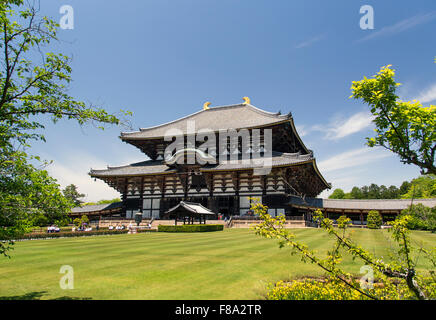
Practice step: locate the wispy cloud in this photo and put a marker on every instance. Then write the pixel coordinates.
(340, 127)
(427, 95)
(309, 42)
(401, 26)
(352, 158)
(344, 127)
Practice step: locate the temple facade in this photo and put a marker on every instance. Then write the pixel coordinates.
(221, 172)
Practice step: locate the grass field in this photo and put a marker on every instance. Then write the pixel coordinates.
(231, 264)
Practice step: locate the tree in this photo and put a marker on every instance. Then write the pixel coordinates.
(393, 192)
(405, 128)
(71, 193)
(373, 191)
(421, 187)
(356, 193)
(365, 192)
(374, 220)
(423, 218)
(28, 196)
(337, 194)
(404, 188)
(108, 201)
(33, 84)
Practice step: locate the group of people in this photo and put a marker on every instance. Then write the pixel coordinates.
(82, 228)
(118, 227)
(51, 229)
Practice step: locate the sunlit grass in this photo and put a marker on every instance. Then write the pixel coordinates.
(231, 264)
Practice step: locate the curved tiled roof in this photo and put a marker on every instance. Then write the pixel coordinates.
(217, 118)
(134, 169)
(97, 207)
(159, 167)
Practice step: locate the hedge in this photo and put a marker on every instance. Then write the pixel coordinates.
(191, 228)
(39, 235)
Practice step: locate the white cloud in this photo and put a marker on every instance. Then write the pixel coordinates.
(74, 167)
(427, 95)
(353, 158)
(309, 42)
(341, 127)
(401, 26)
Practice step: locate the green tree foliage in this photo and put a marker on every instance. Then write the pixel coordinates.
(421, 187)
(405, 186)
(109, 201)
(103, 201)
(71, 193)
(405, 128)
(28, 196)
(337, 194)
(374, 220)
(78, 222)
(422, 217)
(356, 193)
(33, 84)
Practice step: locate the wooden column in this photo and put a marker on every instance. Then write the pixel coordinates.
(236, 186)
(141, 195)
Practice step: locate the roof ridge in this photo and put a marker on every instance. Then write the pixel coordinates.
(211, 109)
(127, 165)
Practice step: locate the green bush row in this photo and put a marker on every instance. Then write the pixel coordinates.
(191, 228)
(39, 235)
(145, 230)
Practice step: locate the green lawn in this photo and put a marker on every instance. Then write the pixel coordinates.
(230, 264)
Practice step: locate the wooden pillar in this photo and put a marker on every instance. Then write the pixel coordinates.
(236, 187)
(186, 186)
(124, 211)
(141, 195)
(361, 218)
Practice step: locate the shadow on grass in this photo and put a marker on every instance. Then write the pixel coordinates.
(37, 295)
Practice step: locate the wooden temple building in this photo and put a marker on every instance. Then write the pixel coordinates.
(223, 185)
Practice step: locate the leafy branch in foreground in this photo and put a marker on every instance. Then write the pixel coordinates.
(405, 128)
(393, 275)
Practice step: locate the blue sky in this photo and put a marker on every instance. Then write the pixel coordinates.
(163, 59)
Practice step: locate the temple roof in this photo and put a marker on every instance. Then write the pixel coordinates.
(97, 207)
(237, 116)
(151, 167)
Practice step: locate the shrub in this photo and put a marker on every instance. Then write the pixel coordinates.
(191, 228)
(331, 289)
(374, 220)
(40, 235)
